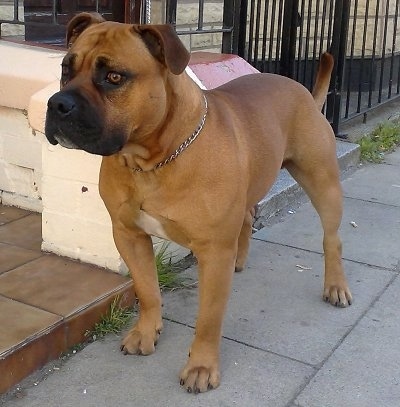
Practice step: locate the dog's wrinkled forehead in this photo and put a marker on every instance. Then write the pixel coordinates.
(105, 42)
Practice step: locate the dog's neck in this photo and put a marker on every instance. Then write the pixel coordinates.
(186, 111)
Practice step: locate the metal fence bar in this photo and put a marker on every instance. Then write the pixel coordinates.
(300, 45)
(394, 42)
(371, 72)
(257, 29)
(251, 29)
(314, 52)
(241, 27)
(54, 12)
(200, 20)
(343, 7)
(279, 36)
(231, 18)
(264, 36)
(396, 15)
(322, 32)
(289, 32)
(16, 10)
(307, 41)
(351, 58)
(383, 52)
(271, 42)
(170, 10)
(275, 36)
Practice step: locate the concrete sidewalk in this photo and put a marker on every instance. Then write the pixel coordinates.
(282, 346)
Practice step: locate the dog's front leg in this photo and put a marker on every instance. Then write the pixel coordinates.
(136, 248)
(216, 267)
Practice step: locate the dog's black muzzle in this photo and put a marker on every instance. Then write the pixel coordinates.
(73, 122)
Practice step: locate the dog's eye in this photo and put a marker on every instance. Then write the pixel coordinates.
(114, 78)
(64, 74)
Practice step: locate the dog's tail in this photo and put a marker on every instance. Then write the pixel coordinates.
(321, 85)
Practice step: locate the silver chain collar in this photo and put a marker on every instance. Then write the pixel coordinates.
(185, 144)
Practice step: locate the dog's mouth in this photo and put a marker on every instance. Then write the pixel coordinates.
(99, 147)
(60, 138)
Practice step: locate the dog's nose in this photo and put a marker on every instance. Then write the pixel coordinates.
(62, 104)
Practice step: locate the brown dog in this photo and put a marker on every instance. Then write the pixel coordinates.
(189, 166)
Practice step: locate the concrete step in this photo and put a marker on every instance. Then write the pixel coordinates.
(286, 192)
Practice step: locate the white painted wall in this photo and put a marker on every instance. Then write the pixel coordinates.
(20, 161)
(60, 183)
(34, 175)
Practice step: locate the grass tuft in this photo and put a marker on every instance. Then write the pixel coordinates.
(117, 317)
(113, 322)
(169, 277)
(383, 139)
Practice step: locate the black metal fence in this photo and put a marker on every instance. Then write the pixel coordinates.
(279, 36)
(43, 21)
(288, 36)
(225, 26)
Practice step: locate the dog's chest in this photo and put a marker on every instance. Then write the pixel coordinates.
(150, 225)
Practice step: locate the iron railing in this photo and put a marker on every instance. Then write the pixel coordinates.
(372, 70)
(224, 25)
(279, 36)
(288, 36)
(43, 21)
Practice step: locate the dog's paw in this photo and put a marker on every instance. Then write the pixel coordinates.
(338, 296)
(140, 342)
(199, 378)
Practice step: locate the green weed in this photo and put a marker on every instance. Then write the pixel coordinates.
(113, 322)
(117, 317)
(383, 139)
(169, 277)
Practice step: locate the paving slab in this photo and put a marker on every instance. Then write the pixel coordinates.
(100, 375)
(393, 158)
(276, 307)
(359, 185)
(32, 238)
(364, 370)
(374, 241)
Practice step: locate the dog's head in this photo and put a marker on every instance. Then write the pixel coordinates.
(113, 84)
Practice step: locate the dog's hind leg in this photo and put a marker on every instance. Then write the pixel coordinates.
(321, 182)
(244, 240)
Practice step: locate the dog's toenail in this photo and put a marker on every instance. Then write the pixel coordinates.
(189, 390)
(182, 382)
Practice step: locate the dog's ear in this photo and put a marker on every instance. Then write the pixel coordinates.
(79, 23)
(165, 45)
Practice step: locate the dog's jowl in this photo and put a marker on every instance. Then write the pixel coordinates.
(190, 165)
